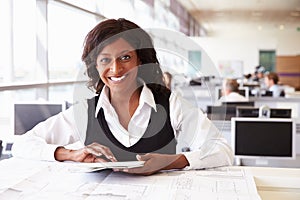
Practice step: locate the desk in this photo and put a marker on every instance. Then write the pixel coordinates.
(271, 183)
(277, 183)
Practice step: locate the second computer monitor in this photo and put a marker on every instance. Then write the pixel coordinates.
(263, 138)
(254, 112)
(244, 91)
(227, 110)
(29, 114)
(239, 103)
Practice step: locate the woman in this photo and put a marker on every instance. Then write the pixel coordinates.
(133, 116)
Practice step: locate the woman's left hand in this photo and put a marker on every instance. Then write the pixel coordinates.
(155, 162)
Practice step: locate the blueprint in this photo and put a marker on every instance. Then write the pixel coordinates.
(218, 184)
(54, 180)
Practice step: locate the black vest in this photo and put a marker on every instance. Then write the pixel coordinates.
(158, 137)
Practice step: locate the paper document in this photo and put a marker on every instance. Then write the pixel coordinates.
(90, 167)
(51, 180)
(215, 184)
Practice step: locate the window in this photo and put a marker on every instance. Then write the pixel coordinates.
(18, 41)
(267, 59)
(42, 42)
(5, 41)
(24, 42)
(67, 29)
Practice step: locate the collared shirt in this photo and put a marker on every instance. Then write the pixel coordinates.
(137, 124)
(191, 127)
(276, 90)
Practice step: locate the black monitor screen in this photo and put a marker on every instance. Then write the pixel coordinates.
(221, 112)
(254, 112)
(264, 138)
(241, 91)
(227, 110)
(247, 112)
(239, 103)
(26, 116)
(281, 112)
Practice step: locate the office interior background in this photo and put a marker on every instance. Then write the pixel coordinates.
(41, 45)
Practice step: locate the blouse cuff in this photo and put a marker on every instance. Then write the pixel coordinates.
(194, 160)
(48, 152)
(199, 161)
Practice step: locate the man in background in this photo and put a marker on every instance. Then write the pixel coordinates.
(230, 91)
(271, 81)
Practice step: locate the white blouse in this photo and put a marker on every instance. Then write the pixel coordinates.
(191, 127)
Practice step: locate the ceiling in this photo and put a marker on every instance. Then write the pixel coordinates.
(223, 16)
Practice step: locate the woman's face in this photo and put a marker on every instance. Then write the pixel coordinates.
(117, 66)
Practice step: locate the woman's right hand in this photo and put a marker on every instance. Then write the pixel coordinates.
(90, 153)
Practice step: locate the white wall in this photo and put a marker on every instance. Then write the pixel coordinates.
(246, 46)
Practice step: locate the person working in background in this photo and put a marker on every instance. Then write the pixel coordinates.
(167, 76)
(230, 89)
(256, 81)
(133, 116)
(258, 77)
(259, 74)
(271, 81)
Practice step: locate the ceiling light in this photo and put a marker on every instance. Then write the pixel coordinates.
(281, 27)
(259, 28)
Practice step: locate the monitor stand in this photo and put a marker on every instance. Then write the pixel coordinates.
(237, 161)
(261, 162)
(256, 162)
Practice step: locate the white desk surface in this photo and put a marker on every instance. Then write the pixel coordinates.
(271, 183)
(277, 183)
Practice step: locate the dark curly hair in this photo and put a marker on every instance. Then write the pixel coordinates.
(109, 31)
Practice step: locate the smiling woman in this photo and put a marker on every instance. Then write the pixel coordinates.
(117, 65)
(133, 115)
(138, 42)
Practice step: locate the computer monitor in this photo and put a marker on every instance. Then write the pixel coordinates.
(254, 112)
(220, 112)
(29, 114)
(239, 103)
(281, 113)
(244, 91)
(267, 94)
(225, 111)
(247, 112)
(263, 138)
